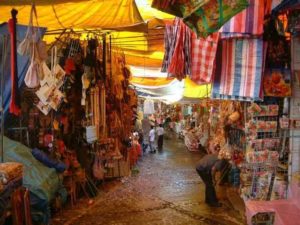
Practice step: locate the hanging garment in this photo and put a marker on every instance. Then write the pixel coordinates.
(211, 16)
(14, 106)
(170, 42)
(149, 106)
(203, 58)
(238, 76)
(248, 22)
(180, 62)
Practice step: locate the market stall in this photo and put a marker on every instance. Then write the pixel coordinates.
(246, 59)
(68, 101)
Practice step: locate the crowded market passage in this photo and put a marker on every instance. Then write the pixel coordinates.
(166, 189)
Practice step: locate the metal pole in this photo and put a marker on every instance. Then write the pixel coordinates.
(2, 96)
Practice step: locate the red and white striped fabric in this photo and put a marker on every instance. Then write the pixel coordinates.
(248, 22)
(203, 58)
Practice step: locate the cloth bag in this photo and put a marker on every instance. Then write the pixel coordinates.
(31, 36)
(211, 16)
(32, 79)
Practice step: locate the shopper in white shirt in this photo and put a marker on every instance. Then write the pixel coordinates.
(160, 133)
(152, 140)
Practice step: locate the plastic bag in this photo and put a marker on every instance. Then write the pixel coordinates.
(211, 16)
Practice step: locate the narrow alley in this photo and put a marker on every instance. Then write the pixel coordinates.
(167, 190)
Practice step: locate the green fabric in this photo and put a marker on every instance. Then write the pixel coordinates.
(210, 17)
(39, 179)
(181, 8)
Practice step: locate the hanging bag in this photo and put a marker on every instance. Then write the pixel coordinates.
(211, 16)
(32, 79)
(25, 47)
(32, 38)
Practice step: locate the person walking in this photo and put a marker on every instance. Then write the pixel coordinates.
(152, 140)
(160, 140)
(206, 169)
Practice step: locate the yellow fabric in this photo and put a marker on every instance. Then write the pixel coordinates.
(151, 81)
(37, 2)
(140, 58)
(104, 14)
(193, 90)
(148, 12)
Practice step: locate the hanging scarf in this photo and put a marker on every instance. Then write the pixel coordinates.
(14, 106)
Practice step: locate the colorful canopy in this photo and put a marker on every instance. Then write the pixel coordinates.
(143, 47)
(104, 14)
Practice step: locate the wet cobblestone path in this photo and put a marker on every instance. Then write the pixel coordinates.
(166, 191)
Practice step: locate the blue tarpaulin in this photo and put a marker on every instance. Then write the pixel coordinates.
(42, 182)
(23, 62)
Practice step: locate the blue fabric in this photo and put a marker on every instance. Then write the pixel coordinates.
(42, 182)
(43, 158)
(23, 62)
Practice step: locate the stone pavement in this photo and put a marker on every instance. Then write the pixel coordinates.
(166, 191)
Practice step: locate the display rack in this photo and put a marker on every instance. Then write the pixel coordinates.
(270, 177)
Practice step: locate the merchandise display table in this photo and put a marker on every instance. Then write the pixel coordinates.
(286, 211)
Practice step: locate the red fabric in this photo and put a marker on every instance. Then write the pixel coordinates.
(203, 58)
(14, 107)
(69, 66)
(135, 152)
(176, 67)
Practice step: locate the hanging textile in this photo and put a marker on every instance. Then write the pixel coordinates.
(248, 22)
(180, 61)
(149, 106)
(203, 58)
(178, 8)
(239, 75)
(170, 40)
(14, 106)
(211, 16)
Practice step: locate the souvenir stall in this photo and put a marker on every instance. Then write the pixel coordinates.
(248, 64)
(196, 130)
(74, 110)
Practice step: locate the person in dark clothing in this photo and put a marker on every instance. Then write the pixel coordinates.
(206, 169)
(160, 140)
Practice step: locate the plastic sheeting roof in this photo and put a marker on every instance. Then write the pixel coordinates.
(104, 14)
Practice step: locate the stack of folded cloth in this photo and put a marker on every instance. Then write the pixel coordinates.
(10, 172)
